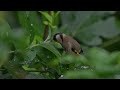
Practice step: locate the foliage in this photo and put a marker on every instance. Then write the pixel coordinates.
(24, 54)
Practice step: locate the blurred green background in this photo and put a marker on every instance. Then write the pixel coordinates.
(25, 54)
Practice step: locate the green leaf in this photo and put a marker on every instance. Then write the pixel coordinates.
(117, 19)
(36, 22)
(118, 58)
(82, 59)
(31, 22)
(46, 22)
(48, 17)
(94, 17)
(26, 67)
(50, 48)
(14, 68)
(98, 57)
(3, 54)
(5, 31)
(107, 71)
(57, 13)
(29, 55)
(114, 60)
(52, 13)
(54, 27)
(20, 39)
(80, 74)
(67, 59)
(22, 17)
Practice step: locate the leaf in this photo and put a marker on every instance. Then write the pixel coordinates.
(87, 37)
(48, 17)
(50, 48)
(117, 19)
(26, 67)
(89, 26)
(107, 71)
(46, 22)
(57, 13)
(94, 17)
(29, 55)
(3, 54)
(98, 56)
(2, 15)
(54, 27)
(118, 58)
(36, 22)
(114, 58)
(52, 13)
(20, 39)
(80, 75)
(24, 21)
(5, 38)
(22, 17)
(5, 31)
(15, 69)
(30, 21)
(72, 20)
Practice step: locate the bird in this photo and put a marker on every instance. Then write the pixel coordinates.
(69, 44)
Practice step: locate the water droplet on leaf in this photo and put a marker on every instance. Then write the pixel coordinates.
(31, 24)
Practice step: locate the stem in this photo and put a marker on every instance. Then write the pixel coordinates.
(46, 29)
(49, 36)
(45, 32)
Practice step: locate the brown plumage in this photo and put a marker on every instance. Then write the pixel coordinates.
(68, 43)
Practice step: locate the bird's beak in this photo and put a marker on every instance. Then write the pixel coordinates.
(78, 53)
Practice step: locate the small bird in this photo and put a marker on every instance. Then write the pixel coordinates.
(69, 44)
